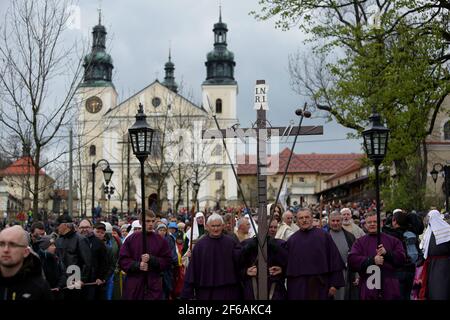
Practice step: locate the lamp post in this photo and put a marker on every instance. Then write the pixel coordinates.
(445, 169)
(141, 136)
(187, 194)
(375, 145)
(196, 187)
(107, 174)
(109, 190)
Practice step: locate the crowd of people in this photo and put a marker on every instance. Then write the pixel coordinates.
(319, 252)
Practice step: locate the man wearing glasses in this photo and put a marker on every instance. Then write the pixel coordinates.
(20, 269)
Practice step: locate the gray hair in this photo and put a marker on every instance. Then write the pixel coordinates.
(241, 221)
(336, 214)
(215, 217)
(286, 213)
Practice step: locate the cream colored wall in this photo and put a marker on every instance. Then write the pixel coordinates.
(105, 131)
(438, 152)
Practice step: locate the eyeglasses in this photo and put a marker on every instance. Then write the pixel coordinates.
(12, 245)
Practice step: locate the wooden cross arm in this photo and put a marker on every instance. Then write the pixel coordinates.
(251, 132)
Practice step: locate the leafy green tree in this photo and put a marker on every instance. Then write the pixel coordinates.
(389, 56)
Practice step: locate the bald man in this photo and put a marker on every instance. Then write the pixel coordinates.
(20, 269)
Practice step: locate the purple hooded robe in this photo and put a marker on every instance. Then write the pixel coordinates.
(314, 265)
(129, 261)
(212, 273)
(361, 257)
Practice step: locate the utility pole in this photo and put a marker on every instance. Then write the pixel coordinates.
(70, 200)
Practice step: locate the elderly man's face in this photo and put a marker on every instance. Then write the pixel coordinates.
(304, 220)
(215, 228)
(13, 248)
(336, 222)
(288, 218)
(346, 216)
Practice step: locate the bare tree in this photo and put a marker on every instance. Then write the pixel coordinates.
(34, 62)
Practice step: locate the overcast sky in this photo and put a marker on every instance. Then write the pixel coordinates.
(139, 33)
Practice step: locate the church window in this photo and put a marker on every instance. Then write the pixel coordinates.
(92, 150)
(218, 175)
(156, 144)
(217, 150)
(219, 106)
(447, 131)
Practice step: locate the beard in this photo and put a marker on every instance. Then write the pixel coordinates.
(346, 223)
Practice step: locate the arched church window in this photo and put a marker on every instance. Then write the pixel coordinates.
(447, 131)
(219, 106)
(217, 150)
(92, 150)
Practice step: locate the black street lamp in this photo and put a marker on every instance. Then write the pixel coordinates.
(196, 187)
(375, 144)
(141, 136)
(109, 191)
(107, 174)
(437, 168)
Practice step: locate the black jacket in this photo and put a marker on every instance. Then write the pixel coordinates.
(54, 270)
(100, 258)
(73, 249)
(27, 284)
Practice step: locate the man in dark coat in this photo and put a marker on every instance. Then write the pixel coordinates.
(366, 255)
(405, 273)
(213, 273)
(20, 269)
(143, 280)
(344, 241)
(314, 270)
(276, 262)
(73, 250)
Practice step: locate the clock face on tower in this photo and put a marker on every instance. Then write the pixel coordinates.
(156, 102)
(94, 104)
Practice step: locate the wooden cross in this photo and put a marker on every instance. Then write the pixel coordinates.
(261, 133)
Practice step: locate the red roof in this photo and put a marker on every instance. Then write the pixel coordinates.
(22, 166)
(327, 163)
(349, 169)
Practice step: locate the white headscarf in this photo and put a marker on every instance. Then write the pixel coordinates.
(135, 224)
(195, 226)
(438, 227)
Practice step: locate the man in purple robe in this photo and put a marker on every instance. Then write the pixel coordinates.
(276, 262)
(315, 267)
(212, 273)
(143, 280)
(375, 264)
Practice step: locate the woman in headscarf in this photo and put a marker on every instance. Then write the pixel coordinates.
(436, 252)
(198, 228)
(135, 226)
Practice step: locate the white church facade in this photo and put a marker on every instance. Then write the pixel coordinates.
(180, 157)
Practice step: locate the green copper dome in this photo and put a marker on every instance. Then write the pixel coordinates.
(220, 61)
(169, 79)
(98, 64)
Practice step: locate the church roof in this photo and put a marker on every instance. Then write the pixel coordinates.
(156, 82)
